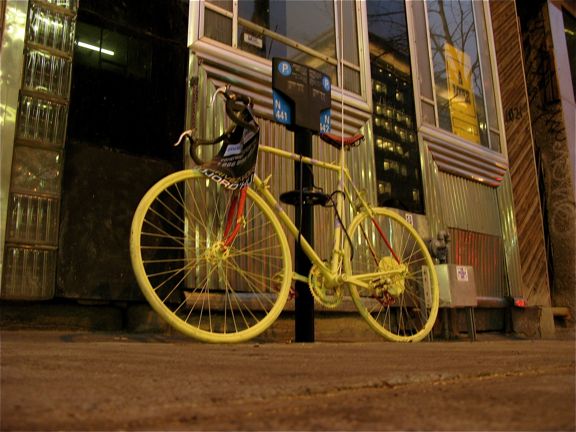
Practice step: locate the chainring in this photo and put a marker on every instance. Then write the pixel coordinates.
(327, 297)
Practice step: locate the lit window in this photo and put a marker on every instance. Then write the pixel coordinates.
(462, 75)
(391, 71)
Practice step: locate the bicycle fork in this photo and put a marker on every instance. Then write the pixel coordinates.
(235, 211)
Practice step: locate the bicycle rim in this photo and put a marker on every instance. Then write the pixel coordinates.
(204, 290)
(402, 305)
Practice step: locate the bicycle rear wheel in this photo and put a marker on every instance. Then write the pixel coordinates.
(402, 303)
(201, 287)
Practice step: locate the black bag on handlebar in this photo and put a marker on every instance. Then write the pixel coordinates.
(233, 166)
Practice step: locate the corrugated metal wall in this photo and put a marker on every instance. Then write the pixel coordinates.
(469, 205)
(210, 121)
(360, 161)
(510, 237)
(471, 213)
(484, 252)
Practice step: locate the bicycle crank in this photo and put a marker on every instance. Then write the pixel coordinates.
(327, 297)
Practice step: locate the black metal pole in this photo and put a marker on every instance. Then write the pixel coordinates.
(304, 303)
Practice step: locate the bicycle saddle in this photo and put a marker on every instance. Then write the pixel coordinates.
(337, 140)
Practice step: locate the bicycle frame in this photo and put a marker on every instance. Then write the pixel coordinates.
(333, 274)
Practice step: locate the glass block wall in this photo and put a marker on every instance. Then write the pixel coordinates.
(35, 188)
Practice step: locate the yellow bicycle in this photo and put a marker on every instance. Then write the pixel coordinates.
(211, 256)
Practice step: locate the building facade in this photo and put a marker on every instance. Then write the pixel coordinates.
(455, 98)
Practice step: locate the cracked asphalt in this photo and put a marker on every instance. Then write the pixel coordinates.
(102, 381)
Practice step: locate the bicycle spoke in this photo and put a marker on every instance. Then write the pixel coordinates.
(400, 309)
(200, 287)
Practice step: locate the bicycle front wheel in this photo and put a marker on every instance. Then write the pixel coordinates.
(201, 286)
(401, 300)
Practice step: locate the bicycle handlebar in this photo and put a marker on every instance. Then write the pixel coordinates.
(235, 102)
(237, 109)
(237, 97)
(230, 95)
(235, 105)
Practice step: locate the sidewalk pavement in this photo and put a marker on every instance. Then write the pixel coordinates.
(117, 381)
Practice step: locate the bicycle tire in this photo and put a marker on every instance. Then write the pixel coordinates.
(211, 293)
(399, 308)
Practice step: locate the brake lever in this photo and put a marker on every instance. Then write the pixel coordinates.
(223, 90)
(188, 133)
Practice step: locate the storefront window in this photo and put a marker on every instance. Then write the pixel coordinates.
(398, 174)
(221, 28)
(462, 74)
(308, 23)
(224, 4)
(303, 31)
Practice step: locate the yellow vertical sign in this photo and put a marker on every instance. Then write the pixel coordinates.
(460, 94)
